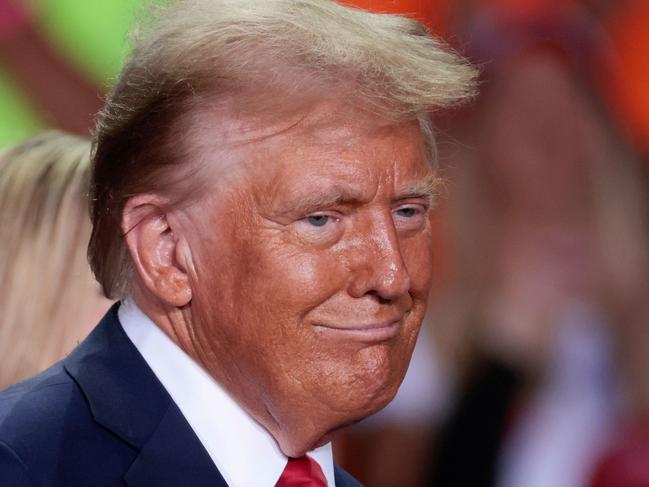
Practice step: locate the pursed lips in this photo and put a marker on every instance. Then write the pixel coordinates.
(373, 331)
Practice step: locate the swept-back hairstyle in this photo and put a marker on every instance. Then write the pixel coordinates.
(254, 57)
(44, 276)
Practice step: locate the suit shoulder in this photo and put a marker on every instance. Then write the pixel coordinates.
(35, 398)
(33, 414)
(343, 479)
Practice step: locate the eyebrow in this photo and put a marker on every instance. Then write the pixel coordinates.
(427, 188)
(342, 195)
(334, 196)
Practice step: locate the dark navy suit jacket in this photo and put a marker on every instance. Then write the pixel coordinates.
(101, 418)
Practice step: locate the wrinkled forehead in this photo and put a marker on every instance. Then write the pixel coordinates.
(225, 141)
(341, 120)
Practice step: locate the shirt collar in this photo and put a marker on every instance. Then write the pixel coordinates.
(243, 451)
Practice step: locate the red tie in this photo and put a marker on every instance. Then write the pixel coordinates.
(302, 472)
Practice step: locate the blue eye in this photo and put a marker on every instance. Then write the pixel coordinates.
(318, 220)
(407, 212)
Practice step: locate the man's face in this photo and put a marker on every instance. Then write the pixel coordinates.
(312, 271)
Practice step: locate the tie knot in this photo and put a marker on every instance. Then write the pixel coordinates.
(302, 472)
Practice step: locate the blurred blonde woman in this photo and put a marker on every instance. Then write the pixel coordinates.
(46, 287)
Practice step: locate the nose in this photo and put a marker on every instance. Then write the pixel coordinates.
(380, 269)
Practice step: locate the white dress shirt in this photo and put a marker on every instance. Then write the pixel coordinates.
(243, 451)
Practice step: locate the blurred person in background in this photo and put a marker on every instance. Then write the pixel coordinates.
(48, 296)
(550, 214)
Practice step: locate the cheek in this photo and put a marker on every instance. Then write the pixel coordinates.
(417, 254)
(294, 279)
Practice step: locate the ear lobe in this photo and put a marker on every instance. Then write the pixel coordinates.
(153, 247)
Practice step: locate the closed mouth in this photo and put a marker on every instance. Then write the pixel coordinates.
(373, 331)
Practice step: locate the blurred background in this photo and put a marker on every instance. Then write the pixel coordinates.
(532, 367)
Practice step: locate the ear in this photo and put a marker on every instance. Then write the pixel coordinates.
(155, 248)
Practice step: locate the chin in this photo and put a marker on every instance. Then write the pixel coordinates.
(342, 392)
(365, 401)
(297, 434)
(376, 384)
(380, 399)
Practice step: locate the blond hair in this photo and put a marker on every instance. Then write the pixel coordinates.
(44, 275)
(261, 56)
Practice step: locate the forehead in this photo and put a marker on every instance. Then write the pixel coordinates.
(351, 147)
(333, 141)
(347, 142)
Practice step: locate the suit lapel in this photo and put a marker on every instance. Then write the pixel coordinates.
(173, 456)
(125, 397)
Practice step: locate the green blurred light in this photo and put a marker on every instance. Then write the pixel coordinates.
(92, 34)
(18, 118)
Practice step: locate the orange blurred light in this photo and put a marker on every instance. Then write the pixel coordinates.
(629, 81)
(432, 13)
(529, 8)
